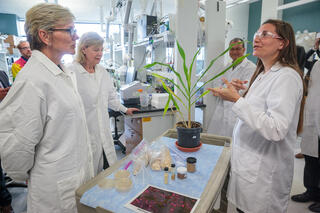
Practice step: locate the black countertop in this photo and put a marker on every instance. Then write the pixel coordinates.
(145, 109)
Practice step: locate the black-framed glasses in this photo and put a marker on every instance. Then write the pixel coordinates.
(72, 31)
(24, 48)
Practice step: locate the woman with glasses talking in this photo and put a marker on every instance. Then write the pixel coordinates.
(270, 115)
(43, 131)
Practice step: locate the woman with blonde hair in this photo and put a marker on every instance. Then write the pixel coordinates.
(43, 131)
(98, 94)
(270, 115)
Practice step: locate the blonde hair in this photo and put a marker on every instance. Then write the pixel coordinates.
(44, 16)
(88, 39)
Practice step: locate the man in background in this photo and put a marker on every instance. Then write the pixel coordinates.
(224, 119)
(311, 54)
(25, 51)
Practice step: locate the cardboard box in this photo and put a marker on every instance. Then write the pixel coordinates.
(12, 40)
(133, 133)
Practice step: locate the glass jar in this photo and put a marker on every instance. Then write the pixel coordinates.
(191, 164)
(181, 172)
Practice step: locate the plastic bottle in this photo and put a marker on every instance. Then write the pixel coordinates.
(166, 175)
(173, 171)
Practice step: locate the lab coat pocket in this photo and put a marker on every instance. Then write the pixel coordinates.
(245, 163)
(67, 189)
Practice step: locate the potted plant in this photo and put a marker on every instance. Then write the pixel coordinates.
(188, 131)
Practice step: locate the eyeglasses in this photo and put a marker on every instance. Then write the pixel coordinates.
(25, 48)
(71, 31)
(236, 49)
(265, 35)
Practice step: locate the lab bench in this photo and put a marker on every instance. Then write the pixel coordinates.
(91, 199)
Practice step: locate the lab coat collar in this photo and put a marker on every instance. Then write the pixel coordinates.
(52, 67)
(277, 66)
(81, 69)
(243, 63)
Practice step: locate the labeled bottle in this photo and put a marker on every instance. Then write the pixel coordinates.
(173, 171)
(166, 175)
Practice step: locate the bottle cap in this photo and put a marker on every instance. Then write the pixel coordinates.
(173, 165)
(191, 160)
(166, 168)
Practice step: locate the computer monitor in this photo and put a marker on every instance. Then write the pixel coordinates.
(131, 75)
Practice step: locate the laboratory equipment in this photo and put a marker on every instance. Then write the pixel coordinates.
(128, 92)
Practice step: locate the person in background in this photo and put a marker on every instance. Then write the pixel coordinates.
(4, 85)
(43, 131)
(223, 119)
(310, 143)
(25, 51)
(310, 56)
(5, 196)
(98, 93)
(270, 114)
(301, 58)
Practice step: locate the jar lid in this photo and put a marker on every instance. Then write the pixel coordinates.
(191, 160)
(173, 165)
(182, 170)
(166, 169)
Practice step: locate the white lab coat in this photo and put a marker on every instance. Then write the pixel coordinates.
(98, 93)
(44, 137)
(223, 119)
(311, 124)
(262, 154)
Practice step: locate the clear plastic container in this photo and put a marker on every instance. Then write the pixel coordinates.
(144, 98)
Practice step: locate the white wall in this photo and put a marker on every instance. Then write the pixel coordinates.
(239, 15)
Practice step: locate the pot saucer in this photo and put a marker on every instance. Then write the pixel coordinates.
(185, 149)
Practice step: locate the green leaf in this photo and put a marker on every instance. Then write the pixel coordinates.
(150, 65)
(167, 105)
(173, 95)
(203, 94)
(165, 78)
(213, 61)
(175, 72)
(175, 104)
(193, 60)
(185, 69)
(236, 62)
